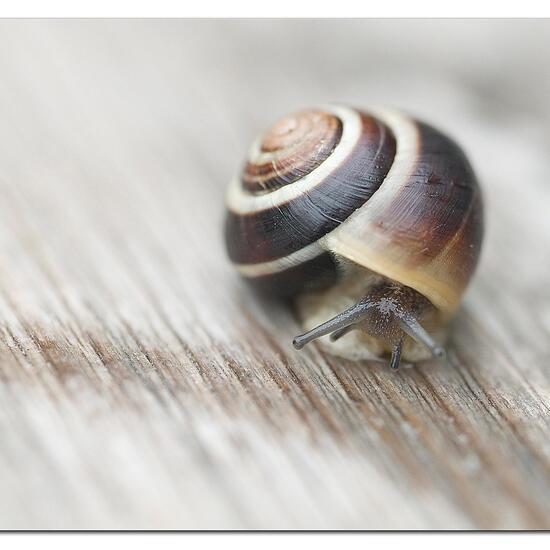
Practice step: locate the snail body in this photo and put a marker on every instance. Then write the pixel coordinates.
(373, 219)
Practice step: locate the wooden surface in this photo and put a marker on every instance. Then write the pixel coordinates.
(143, 386)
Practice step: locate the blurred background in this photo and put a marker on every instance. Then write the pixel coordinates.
(142, 386)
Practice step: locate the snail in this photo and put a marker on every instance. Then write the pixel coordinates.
(372, 220)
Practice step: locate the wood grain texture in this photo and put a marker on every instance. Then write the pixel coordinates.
(142, 385)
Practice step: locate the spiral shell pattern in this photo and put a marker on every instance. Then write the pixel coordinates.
(294, 147)
(380, 189)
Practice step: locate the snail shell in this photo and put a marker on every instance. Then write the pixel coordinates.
(331, 195)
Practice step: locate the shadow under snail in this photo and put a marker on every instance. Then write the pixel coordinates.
(373, 220)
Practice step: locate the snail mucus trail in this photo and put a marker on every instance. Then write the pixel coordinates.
(379, 191)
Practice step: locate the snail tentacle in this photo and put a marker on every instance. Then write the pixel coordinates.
(337, 324)
(337, 334)
(417, 332)
(396, 354)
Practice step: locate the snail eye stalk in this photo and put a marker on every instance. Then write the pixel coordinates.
(417, 332)
(336, 325)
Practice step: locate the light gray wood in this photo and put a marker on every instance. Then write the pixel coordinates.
(143, 386)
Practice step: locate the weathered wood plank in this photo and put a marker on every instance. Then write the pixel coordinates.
(143, 386)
